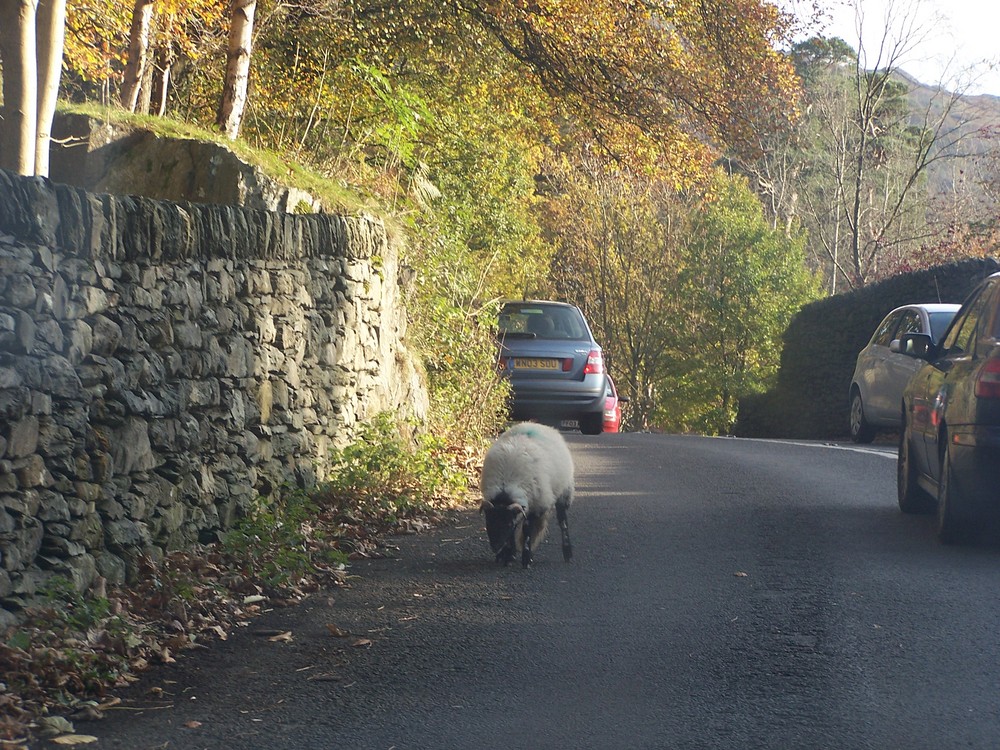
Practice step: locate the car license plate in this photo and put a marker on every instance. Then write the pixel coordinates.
(536, 364)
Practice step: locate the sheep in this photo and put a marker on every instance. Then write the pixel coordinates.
(527, 471)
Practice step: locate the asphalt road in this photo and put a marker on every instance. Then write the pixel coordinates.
(724, 594)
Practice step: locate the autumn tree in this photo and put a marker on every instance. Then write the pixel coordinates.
(31, 49)
(617, 238)
(237, 78)
(855, 172)
(20, 86)
(131, 53)
(137, 61)
(689, 291)
(742, 281)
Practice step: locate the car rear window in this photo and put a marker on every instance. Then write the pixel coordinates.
(543, 322)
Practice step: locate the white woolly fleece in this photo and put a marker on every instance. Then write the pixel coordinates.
(532, 463)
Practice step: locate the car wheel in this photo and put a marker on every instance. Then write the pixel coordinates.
(592, 424)
(861, 431)
(911, 497)
(952, 522)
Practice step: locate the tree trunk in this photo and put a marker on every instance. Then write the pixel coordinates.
(20, 86)
(147, 85)
(234, 91)
(160, 85)
(138, 49)
(51, 26)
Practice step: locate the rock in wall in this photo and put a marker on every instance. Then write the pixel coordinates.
(108, 157)
(162, 364)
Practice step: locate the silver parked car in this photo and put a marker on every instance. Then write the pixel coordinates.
(882, 371)
(555, 367)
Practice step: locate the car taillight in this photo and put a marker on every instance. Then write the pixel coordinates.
(988, 382)
(595, 363)
(567, 364)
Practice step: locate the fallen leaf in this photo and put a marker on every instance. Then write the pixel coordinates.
(75, 739)
(52, 725)
(192, 724)
(87, 713)
(361, 643)
(219, 631)
(336, 632)
(285, 637)
(254, 599)
(741, 574)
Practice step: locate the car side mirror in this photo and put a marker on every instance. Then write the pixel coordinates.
(918, 345)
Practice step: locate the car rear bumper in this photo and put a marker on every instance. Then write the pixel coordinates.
(557, 399)
(975, 456)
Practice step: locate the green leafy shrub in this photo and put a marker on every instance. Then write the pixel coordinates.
(279, 541)
(469, 401)
(386, 477)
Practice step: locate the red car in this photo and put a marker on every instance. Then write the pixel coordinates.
(612, 407)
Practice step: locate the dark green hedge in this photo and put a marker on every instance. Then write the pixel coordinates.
(810, 397)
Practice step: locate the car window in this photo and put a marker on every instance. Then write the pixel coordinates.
(994, 306)
(961, 338)
(910, 323)
(883, 334)
(939, 323)
(543, 322)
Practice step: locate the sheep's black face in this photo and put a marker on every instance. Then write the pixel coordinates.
(502, 516)
(499, 525)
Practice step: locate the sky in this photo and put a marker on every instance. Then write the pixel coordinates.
(957, 42)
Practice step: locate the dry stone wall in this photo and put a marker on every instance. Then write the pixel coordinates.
(162, 364)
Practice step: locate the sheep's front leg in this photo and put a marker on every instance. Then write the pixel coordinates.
(529, 530)
(514, 539)
(563, 516)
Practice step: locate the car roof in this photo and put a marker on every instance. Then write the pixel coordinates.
(535, 302)
(928, 307)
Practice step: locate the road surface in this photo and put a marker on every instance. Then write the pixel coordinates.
(725, 593)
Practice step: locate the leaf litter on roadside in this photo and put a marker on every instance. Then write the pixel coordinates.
(51, 664)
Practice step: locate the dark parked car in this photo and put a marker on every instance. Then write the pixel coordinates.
(881, 371)
(555, 366)
(949, 448)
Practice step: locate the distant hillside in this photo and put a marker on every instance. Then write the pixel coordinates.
(978, 119)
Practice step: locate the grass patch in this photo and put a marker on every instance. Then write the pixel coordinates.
(335, 194)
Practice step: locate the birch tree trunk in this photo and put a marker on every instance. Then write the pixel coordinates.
(146, 86)
(234, 91)
(138, 53)
(20, 86)
(51, 31)
(161, 85)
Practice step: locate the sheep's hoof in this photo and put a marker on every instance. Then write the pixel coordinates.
(567, 552)
(526, 558)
